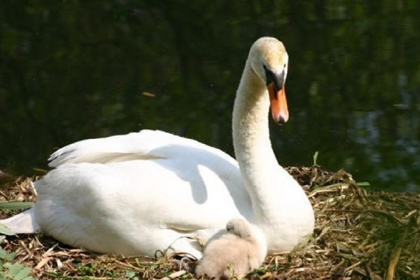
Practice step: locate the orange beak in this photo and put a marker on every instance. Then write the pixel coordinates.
(278, 102)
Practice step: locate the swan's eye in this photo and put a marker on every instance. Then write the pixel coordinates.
(285, 65)
(269, 75)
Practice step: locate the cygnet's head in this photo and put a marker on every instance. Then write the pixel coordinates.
(240, 228)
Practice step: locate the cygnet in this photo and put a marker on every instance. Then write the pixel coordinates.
(237, 252)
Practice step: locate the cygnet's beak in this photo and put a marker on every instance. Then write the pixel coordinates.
(276, 89)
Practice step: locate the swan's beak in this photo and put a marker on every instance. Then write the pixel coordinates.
(279, 110)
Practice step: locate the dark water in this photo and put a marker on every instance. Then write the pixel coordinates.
(71, 70)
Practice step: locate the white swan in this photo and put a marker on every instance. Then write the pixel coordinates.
(236, 253)
(139, 193)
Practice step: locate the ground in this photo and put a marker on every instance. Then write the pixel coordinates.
(359, 234)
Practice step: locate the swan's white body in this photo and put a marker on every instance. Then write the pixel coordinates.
(139, 193)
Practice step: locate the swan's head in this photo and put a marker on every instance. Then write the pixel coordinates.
(269, 60)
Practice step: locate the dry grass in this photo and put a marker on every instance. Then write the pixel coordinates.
(358, 235)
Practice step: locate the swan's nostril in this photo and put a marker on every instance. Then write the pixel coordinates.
(281, 121)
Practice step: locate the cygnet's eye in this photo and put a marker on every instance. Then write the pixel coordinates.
(229, 227)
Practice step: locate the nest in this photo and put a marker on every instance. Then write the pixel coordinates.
(359, 234)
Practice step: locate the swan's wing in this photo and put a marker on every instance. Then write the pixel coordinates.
(146, 144)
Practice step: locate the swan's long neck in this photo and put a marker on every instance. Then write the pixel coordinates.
(252, 145)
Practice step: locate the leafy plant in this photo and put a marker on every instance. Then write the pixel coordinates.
(15, 205)
(11, 270)
(5, 231)
(315, 158)
(130, 274)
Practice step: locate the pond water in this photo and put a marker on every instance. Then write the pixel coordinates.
(71, 70)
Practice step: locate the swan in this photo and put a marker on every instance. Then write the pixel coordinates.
(151, 191)
(236, 253)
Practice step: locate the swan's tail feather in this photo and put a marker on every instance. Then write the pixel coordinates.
(22, 223)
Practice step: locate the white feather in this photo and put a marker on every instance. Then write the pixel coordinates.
(22, 223)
